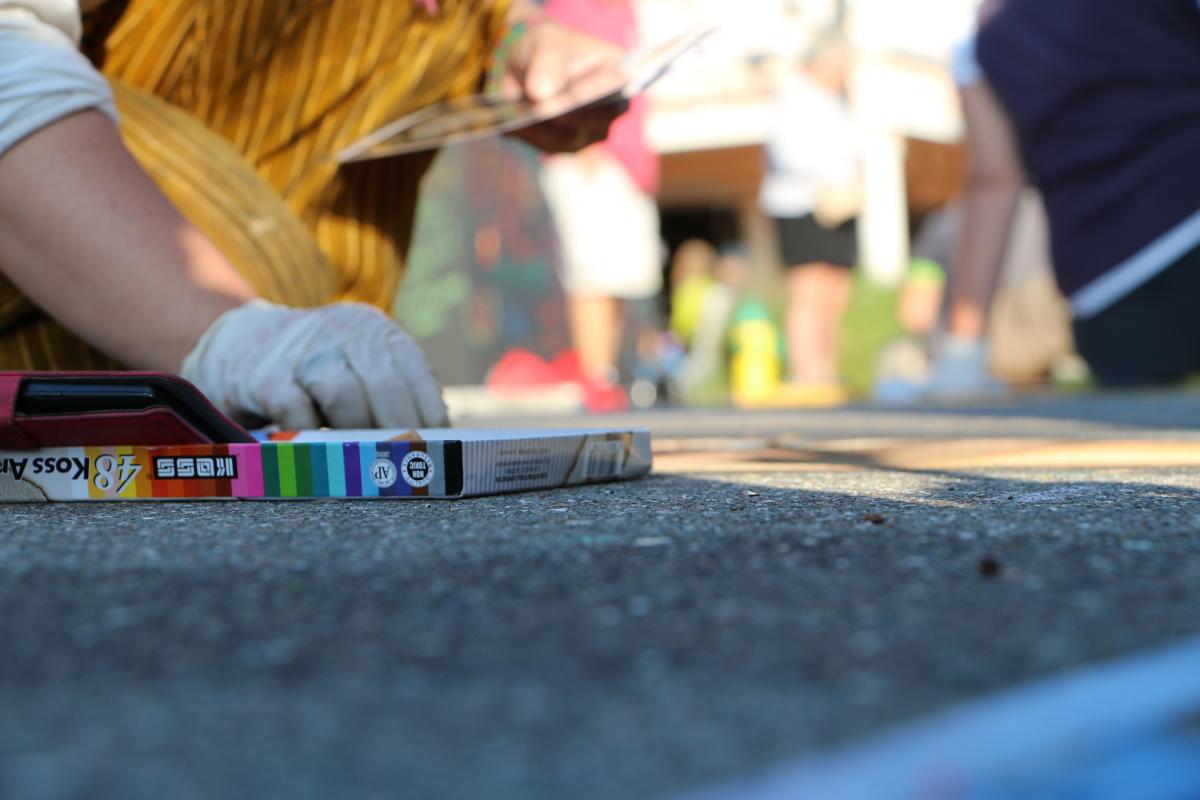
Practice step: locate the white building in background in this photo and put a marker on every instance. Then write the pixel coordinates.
(722, 96)
(902, 89)
(720, 101)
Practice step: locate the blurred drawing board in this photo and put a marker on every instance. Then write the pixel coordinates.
(481, 116)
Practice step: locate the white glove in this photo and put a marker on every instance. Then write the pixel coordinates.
(346, 365)
(961, 371)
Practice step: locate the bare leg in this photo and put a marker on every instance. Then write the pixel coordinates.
(818, 294)
(596, 328)
(835, 289)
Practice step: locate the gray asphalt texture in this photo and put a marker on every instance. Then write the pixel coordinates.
(619, 641)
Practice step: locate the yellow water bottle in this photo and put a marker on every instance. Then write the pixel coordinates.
(755, 367)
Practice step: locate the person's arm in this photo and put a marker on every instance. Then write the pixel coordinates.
(994, 182)
(83, 231)
(91, 240)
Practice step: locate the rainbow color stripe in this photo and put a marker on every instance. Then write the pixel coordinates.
(268, 470)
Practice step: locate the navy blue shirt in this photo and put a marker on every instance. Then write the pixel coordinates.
(1104, 96)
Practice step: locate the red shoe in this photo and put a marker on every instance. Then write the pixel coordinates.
(567, 368)
(519, 369)
(602, 397)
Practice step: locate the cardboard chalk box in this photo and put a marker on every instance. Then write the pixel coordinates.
(331, 464)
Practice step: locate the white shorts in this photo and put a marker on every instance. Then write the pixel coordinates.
(607, 227)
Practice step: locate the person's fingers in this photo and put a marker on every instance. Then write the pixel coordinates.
(391, 399)
(426, 390)
(433, 403)
(388, 393)
(289, 406)
(560, 61)
(346, 365)
(546, 72)
(339, 393)
(594, 78)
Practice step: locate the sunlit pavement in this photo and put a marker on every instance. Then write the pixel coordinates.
(787, 583)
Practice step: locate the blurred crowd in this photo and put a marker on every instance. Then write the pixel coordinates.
(1061, 258)
(1061, 253)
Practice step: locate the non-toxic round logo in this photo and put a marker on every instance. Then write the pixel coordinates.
(383, 472)
(417, 469)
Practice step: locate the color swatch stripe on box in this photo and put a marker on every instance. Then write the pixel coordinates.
(272, 469)
(353, 469)
(336, 466)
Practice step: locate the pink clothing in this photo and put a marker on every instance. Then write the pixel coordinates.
(610, 20)
(614, 21)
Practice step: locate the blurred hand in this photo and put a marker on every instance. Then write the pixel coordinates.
(346, 365)
(552, 64)
(960, 371)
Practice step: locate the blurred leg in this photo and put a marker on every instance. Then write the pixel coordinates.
(597, 323)
(835, 290)
(608, 232)
(818, 296)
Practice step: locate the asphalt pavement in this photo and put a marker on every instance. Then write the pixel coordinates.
(617, 641)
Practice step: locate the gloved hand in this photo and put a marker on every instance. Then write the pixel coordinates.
(960, 371)
(346, 365)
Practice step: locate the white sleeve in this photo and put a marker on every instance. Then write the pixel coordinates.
(61, 14)
(964, 64)
(43, 76)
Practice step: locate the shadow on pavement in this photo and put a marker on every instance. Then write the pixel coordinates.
(625, 640)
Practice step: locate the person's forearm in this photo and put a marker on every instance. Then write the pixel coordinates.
(980, 256)
(89, 238)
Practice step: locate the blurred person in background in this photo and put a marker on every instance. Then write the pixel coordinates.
(813, 190)
(692, 275)
(602, 201)
(706, 284)
(1096, 101)
(219, 239)
(1029, 330)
